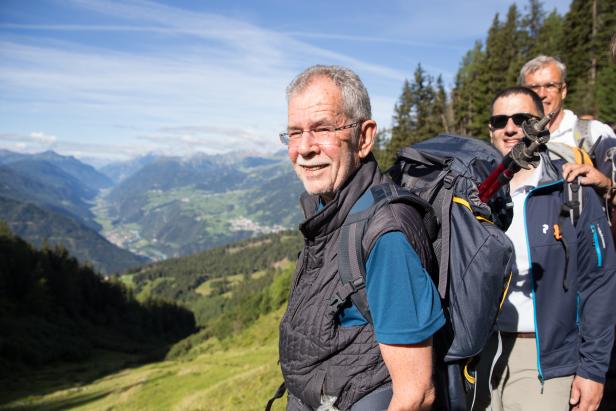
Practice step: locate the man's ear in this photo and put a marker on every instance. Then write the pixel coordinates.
(563, 91)
(491, 132)
(366, 138)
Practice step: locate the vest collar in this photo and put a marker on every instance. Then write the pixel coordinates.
(331, 217)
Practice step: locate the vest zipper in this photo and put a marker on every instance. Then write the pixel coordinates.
(297, 278)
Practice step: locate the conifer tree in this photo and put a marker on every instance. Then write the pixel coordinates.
(468, 94)
(423, 107)
(587, 29)
(379, 148)
(548, 37)
(577, 41)
(440, 114)
(605, 87)
(403, 123)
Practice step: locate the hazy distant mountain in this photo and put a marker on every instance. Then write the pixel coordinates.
(37, 225)
(48, 186)
(160, 206)
(176, 206)
(48, 197)
(119, 170)
(84, 173)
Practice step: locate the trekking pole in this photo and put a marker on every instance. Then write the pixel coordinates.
(522, 155)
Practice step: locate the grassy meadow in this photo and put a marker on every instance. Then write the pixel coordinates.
(238, 373)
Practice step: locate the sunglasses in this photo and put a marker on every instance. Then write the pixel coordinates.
(501, 120)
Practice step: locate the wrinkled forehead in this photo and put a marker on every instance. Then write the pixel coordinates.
(544, 74)
(319, 98)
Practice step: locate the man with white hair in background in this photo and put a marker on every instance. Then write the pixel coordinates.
(547, 76)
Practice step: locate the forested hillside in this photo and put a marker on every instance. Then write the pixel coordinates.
(225, 287)
(580, 39)
(237, 292)
(39, 226)
(52, 309)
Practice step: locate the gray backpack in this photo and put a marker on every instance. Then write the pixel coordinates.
(439, 177)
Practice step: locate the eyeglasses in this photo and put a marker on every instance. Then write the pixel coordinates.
(500, 121)
(322, 134)
(550, 87)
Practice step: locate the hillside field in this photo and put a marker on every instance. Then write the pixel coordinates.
(238, 373)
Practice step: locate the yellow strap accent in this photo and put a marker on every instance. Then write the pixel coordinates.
(480, 218)
(581, 156)
(467, 375)
(500, 306)
(462, 201)
(466, 204)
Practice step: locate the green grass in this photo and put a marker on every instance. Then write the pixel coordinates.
(207, 288)
(239, 373)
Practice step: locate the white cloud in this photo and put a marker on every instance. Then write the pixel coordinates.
(184, 80)
(43, 138)
(231, 78)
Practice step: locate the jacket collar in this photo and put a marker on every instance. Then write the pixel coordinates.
(551, 170)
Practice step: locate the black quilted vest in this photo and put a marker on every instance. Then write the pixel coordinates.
(318, 356)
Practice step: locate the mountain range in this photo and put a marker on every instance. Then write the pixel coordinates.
(174, 206)
(151, 207)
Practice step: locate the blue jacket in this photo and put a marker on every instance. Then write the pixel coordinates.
(575, 326)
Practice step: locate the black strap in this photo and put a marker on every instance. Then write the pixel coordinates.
(571, 210)
(573, 200)
(443, 264)
(351, 264)
(278, 394)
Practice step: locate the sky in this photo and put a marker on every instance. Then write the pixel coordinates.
(111, 80)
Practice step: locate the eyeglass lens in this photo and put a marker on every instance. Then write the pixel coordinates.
(500, 121)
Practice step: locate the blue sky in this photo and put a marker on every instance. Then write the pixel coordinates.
(116, 79)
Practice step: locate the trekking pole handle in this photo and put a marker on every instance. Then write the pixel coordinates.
(522, 155)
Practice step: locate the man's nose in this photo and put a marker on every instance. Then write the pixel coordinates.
(542, 92)
(511, 128)
(307, 143)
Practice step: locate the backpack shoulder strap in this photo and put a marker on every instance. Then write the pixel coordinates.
(570, 209)
(582, 135)
(570, 154)
(351, 255)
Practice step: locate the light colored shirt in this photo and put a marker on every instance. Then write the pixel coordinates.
(517, 314)
(564, 132)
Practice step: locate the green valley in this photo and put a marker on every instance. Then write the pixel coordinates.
(237, 295)
(172, 207)
(237, 373)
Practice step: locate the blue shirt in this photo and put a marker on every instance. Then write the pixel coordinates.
(403, 300)
(404, 303)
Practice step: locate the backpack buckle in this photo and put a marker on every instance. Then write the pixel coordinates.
(336, 302)
(448, 181)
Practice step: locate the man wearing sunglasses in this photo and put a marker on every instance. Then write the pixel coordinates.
(546, 76)
(556, 325)
(332, 358)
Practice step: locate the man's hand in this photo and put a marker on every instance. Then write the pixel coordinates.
(410, 367)
(585, 394)
(589, 175)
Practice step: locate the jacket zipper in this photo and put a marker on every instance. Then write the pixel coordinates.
(595, 239)
(532, 281)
